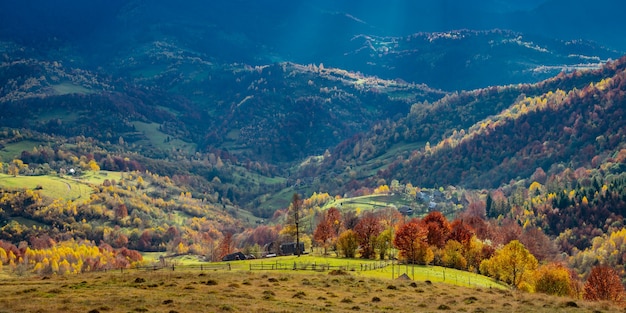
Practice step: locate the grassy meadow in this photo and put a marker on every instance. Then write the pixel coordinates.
(52, 186)
(240, 290)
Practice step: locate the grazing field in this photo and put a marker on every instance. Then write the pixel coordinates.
(269, 291)
(51, 186)
(64, 187)
(13, 150)
(355, 267)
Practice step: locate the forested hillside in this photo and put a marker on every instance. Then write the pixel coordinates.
(487, 137)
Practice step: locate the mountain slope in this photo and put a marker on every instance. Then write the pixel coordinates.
(279, 112)
(487, 137)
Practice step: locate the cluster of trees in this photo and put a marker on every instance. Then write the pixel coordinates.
(433, 240)
(140, 211)
(485, 138)
(46, 257)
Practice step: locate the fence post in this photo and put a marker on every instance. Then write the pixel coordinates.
(229, 266)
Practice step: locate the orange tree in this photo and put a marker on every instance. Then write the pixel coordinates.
(411, 241)
(604, 283)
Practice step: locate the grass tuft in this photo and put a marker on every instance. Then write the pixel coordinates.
(376, 299)
(470, 300)
(299, 295)
(570, 304)
(338, 273)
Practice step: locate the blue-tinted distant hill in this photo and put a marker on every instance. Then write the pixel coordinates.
(73, 19)
(389, 39)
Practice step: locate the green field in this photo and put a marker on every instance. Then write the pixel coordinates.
(14, 150)
(159, 140)
(64, 187)
(356, 267)
(51, 186)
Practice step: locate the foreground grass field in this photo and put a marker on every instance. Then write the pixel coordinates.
(271, 291)
(357, 267)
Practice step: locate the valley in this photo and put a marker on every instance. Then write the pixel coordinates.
(192, 134)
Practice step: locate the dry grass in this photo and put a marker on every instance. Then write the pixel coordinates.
(242, 291)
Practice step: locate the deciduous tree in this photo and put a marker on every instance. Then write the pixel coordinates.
(348, 243)
(510, 263)
(453, 255)
(554, 279)
(225, 246)
(604, 283)
(411, 241)
(460, 232)
(323, 234)
(437, 227)
(367, 230)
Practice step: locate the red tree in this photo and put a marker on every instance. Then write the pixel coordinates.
(410, 239)
(334, 217)
(437, 227)
(604, 284)
(324, 234)
(460, 232)
(538, 243)
(263, 235)
(367, 229)
(226, 245)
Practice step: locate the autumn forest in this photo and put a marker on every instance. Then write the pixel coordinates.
(495, 152)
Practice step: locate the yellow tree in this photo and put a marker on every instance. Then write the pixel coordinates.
(93, 166)
(4, 258)
(348, 243)
(554, 279)
(453, 255)
(510, 263)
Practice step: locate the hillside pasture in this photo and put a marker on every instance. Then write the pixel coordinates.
(357, 267)
(14, 150)
(269, 291)
(160, 140)
(50, 186)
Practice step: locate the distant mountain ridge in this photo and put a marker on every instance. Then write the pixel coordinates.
(488, 137)
(332, 33)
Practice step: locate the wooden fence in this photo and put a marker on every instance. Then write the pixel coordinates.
(318, 267)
